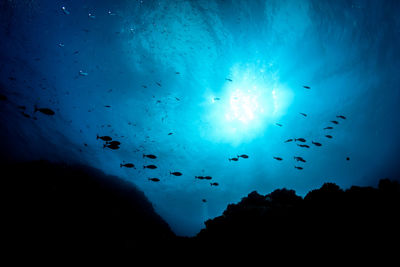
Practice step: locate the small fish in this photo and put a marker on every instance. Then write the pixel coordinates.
(280, 125)
(341, 117)
(243, 156)
(347, 158)
(234, 159)
(177, 99)
(176, 173)
(150, 167)
(159, 84)
(144, 86)
(304, 114)
(111, 13)
(299, 159)
(45, 111)
(154, 179)
(61, 45)
(214, 184)
(127, 165)
(228, 79)
(82, 73)
(207, 177)
(204, 200)
(217, 98)
(328, 128)
(307, 87)
(90, 15)
(107, 106)
(278, 158)
(64, 9)
(289, 140)
(104, 138)
(3, 97)
(113, 143)
(328, 136)
(307, 146)
(300, 139)
(170, 133)
(299, 168)
(335, 122)
(316, 143)
(149, 156)
(25, 115)
(111, 146)
(177, 72)
(199, 177)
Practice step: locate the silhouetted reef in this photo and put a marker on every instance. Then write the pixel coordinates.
(59, 207)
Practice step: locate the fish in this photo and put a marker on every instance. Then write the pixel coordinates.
(280, 125)
(278, 158)
(177, 99)
(347, 158)
(328, 136)
(170, 133)
(307, 87)
(299, 168)
(199, 177)
(234, 159)
(243, 156)
(104, 138)
(300, 139)
(111, 13)
(299, 159)
(45, 111)
(111, 146)
(25, 115)
(289, 140)
(149, 156)
(127, 165)
(90, 15)
(207, 177)
(64, 9)
(307, 146)
(176, 173)
(341, 117)
(3, 97)
(216, 98)
(107, 106)
(177, 72)
(316, 143)
(335, 122)
(304, 114)
(204, 200)
(214, 184)
(159, 84)
(113, 143)
(154, 179)
(226, 79)
(150, 167)
(328, 128)
(82, 73)
(61, 45)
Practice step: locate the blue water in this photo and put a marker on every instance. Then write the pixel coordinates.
(218, 75)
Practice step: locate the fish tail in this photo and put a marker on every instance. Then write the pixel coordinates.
(144, 167)
(97, 136)
(170, 172)
(144, 155)
(229, 159)
(120, 165)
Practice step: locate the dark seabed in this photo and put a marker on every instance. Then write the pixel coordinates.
(158, 115)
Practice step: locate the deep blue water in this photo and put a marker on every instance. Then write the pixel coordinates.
(196, 83)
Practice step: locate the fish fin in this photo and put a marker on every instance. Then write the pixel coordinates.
(120, 165)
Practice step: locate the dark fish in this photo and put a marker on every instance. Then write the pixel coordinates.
(150, 167)
(104, 138)
(111, 146)
(335, 122)
(307, 87)
(329, 136)
(214, 184)
(347, 158)
(243, 156)
(144, 86)
(176, 72)
(177, 99)
(328, 128)
(234, 159)
(176, 173)
(280, 125)
(316, 143)
(216, 98)
(159, 84)
(207, 177)
(3, 97)
(199, 177)
(300, 139)
(45, 111)
(107, 106)
(304, 114)
(289, 140)
(299, 168)
(204, 200)
(25, 115)
(127, 165)
(154, 179)
(149, 156)
(341, 117)
(170, 133)
(228, 79)
(278, 158)
(307, 146)
(113, 143)
(11, 78)
(299, 159)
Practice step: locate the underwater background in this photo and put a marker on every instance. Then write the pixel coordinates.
(245, 92)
